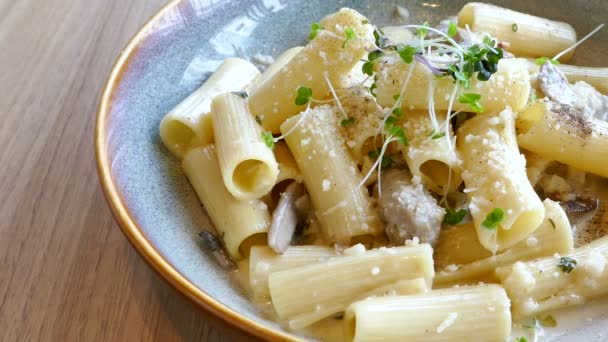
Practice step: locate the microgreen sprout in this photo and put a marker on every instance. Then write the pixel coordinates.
(493, 219)
(314, 30)
(304, 96)
(347, 122)
(372, 58)
(268, 139)
(423, 30)
(387, 161)
(543, 60)
(452, 29)
(349, 34)
(454, 217)
(472, 100)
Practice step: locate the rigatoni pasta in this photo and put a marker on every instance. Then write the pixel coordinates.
(372, 269)
(577, 139)
(479, 313)
(376, 179)
(326, 56)
(466, 262)
(488, 148)
(527, 35)
(189, 123)
(235, 220)
(249, 168)
(342, 207)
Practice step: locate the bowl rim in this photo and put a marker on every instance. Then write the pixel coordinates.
(124, 218)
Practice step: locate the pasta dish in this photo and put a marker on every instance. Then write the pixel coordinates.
(407, 183)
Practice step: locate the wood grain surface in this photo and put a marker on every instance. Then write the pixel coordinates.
(67, 273)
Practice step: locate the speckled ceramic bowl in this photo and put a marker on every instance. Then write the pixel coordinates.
(169, 58)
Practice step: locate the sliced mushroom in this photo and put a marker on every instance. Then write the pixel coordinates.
(579, 207)
(555, 85)
(285, 218)
(408, 210)
(213, 244)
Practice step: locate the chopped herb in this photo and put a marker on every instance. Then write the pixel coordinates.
(493, 219)
(364, 22)
(379, 38)
(514, 27)
(543, 60)
(304, 96)
(438, 135)
(397, 133)
(566, 264)
(406, 53)
(452, 29)
(472, 100)
(372, 89)
(347, 122)
(258, 120)
(482, 60)
(552, 223)
(314, 29)
(268, 139)
(241, 94)
(398, 112)
(387, 161)
(350, 35)
(368, 68)
(454, 217)
(521, 339)
(423, 30)
(396, 97)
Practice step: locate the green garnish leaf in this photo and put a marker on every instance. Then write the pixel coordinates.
(438, 135)
(406, 53)
(454, 217)
(304, 96)
(398, 112)
(350, 35)
(452, 29)
(566, 264)
(472, 100)
(241, 94)
(493, 219)
(379, 38)
(423, 30)
(368, 68)
(258, 120)
(543, 60)
(268, 139)
(552, 223)
(347, 122)
(373, 55)
(314, 29)
(398, 133)
(372, 89)
(386, 162)
(459, 75)
(514, 27)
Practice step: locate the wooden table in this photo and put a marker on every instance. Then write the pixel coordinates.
(67, 273)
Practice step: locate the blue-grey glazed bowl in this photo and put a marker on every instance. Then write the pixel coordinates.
(168, 59)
